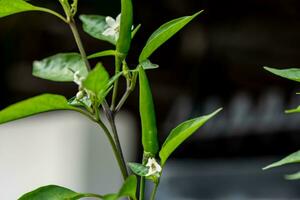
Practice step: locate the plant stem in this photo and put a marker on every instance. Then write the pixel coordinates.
(72, 24)
(53, 13)
(114, 148)
(77, 38)
(118, 63)
(123, 100)
(142, 181)
(111, 119)
(115, 143)
(129, 89)
(153, 194)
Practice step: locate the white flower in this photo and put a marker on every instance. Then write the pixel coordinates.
(77, 78)
(113, 28)
(80, 94)
(154, 167)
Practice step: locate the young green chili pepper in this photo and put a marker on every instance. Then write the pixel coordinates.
(124, 41)
(147, 113)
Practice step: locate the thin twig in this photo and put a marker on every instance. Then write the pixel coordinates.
(111, 119)
(153, 194)
(129, 90)
(142, 181)
(77, 38)
(115, 150)
(118, 63)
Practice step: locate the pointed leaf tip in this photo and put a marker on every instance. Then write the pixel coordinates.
(292, 158)
(163, 34)
(182, 132)
(35, 105)
(295, 176)
(291, 73)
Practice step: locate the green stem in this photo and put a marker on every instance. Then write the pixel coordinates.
(97, 120)
(142, 181)
(130, 88)
(53, 13)
(77, 38)
(74, 7)
(72, 24)
(111, 119)
(114, 148)
(153, 194)
(118, 63)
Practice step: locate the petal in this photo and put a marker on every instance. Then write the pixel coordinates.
(109, 32)
(110, 21)
(150, 161)
(118, 19)
(158, 167)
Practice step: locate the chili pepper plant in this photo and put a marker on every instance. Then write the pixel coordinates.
(294, 75)
(98, 93)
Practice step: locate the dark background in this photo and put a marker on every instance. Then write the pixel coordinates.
(216, 61)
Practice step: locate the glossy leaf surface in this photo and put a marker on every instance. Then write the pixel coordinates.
(128, 189)
(164, 33)
(138, 169)
(147, 64)
(293, 158)
(182, 132)
(54, 192)
(60, 67)
(292, 73)
(97, 80)
(51, 192)
(33, 106)
(147, 114)
(102, 54)
(95, 25)
(10, 7)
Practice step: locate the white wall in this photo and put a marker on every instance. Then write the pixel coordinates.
(62, 148)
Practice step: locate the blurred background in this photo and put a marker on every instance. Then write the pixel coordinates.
(216, 61)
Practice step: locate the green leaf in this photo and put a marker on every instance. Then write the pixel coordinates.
(138, 169)
(147, 64)
(147, 114)
(95, 25)
(33, 106)
(97, 80)
(102, 54)
(292, 74)
(60, 67)
(111, 197)
(84, 102)
(10, 7)
(164, 33)
(128, 189)
(179, 134)
(295, 176)
(51, 192)
(124, 40)
(54, 192)
(295, 110)
(293, 158)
